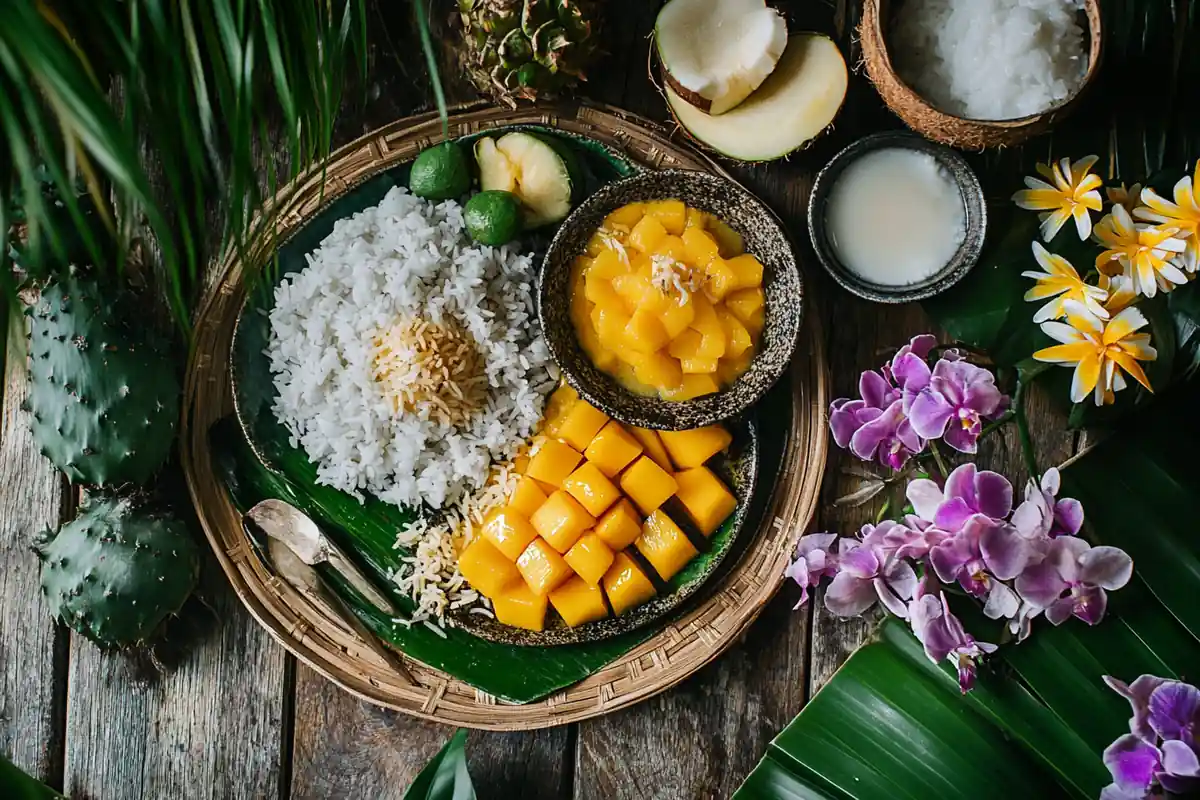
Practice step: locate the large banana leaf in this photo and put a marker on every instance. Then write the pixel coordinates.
(891, 725)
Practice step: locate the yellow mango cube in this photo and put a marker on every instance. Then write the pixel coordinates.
(591, 488)
(554, 461)
(608, 265)
(520, 464)
(747, 269)
(561, 520)
(626, 216)
(721, 279)
(754, 322)
(706, 323)
(619, 526)
(658, 370)
(692, 386)
(579, 602)
(744, 303)
(509, 530)
(590, 557)
(486, 568)
(600, 291)
(527, 497)
(665, 545)
(612, 449)
(676, 317)
(705, 497)
(686, 345)
(692, 448)
(644, 332)
(647, 234)
(601, 356)
(626, 585)
(698, 366)
(520, 607)
(671, 213)
(730, 369)
(542, 568)
(647, 484)
(737, 338)
(672, 247)
(581, 425)
(557, 406)
(609, 324)
(728, 240)
(638, 292)
(701, 247)
(653, 446)
(695, 218)
(595, 245)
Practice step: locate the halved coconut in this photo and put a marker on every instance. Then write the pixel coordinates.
(795, 104)
(716, 52)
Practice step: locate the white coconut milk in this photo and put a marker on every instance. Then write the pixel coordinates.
(895, 216)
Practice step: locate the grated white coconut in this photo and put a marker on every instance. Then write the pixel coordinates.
(990, 59)
(402, 259)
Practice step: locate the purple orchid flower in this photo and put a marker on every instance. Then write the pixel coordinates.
(909, 370)
(812, 562)
(846, 416)
(874, 426)
(983, 555)
(969, 492)
(1041, 515)
(1138, 694)
(955, 403)
(911, 539)
(866, 573)
(943, 636)
(1139, 763)
(1072, 579)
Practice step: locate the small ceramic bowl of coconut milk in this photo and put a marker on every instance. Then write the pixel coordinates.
(896, 218)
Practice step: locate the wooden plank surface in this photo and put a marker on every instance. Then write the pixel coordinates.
(33, 654)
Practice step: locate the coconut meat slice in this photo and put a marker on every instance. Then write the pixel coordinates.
(716, 52)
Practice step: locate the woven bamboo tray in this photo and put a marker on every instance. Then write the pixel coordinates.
(730, 604)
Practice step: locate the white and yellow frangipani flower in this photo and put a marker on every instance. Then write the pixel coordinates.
(1119, 292)
(1143, 252)
(1102, 351)
(1072, 193)
(1183, 215)
(1061, 282)
(1120, 196)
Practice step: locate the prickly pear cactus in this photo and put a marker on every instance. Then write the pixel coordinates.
(116, 571)
(103, 394)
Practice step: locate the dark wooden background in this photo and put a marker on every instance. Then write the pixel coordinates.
(237, 717)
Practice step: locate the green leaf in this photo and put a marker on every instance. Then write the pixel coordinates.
(446, 776)
(15, 784)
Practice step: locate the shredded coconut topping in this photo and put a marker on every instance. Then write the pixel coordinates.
(667, 273)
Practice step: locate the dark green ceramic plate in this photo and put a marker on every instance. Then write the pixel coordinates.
(254, 393)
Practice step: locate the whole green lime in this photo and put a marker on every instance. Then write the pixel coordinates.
(440, 172)
(493, 218)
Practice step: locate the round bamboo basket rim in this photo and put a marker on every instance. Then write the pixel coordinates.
(691, 640)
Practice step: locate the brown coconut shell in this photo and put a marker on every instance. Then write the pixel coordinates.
(968, 134)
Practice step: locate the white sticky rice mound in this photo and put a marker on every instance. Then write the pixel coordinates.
(405, 257)
(990, 59)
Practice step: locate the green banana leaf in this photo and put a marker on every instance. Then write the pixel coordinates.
(445, 777)
(15, 784)
(890, 724)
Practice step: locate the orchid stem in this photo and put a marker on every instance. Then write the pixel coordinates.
(1026, 440)
(883, 511)
(937, 459)
(999, 422)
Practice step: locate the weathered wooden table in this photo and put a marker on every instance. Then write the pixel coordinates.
(239, 717)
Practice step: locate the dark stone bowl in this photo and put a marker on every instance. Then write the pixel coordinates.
(958, 266)
(764, 237)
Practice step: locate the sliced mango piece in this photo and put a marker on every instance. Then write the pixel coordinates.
(692, 448)
(553, 462)
(542, 568)
(486, 568)
(747, 269)
(686, 345)
(729, 240)
(665, 545)
(590, 557)
(744, 303)
(626, 585)
(626, 216)
(658, 370)
(608, 265)
(712, 335)
(647, 234)
(561, 520)
(609, 323)
(520, 607)
(557, 406)
(705, 497)
(698, 366)
(619, 526)
(701, 247)
(599, 290)
(721, 279)
(509, 530)
(612, 449)
(730, 369)
(737, 338)
(653, 446)
(590, 341)
(676, 317)
(645, 332)
(673, 248)
(692, 386)
(647, 484)
(527, 497)
(695, 218)
(591, 488)
(638, 292)
(581, 424)
(671, 213)
(578, 602)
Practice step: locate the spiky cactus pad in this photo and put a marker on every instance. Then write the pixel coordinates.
(103, 394)
(116, 572)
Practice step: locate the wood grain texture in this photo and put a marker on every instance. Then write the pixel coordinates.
(32, 647)
(209, 727)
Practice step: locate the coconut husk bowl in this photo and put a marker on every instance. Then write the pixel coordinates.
(967, 134)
